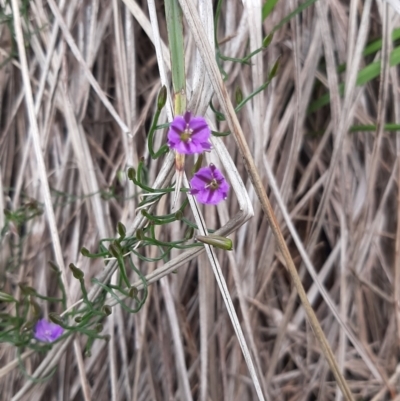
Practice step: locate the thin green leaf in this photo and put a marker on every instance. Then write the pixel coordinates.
(298, 10)
(175, 38)
(268, 7)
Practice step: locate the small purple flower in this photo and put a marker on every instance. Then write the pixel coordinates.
(188, 134)
(209, 186)
(47, 332)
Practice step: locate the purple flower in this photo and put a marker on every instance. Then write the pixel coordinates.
(47, 331)
(209, 186)
(188, 134)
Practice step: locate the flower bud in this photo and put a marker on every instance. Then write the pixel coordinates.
(106, 195)
(162, 98)
(115, 249)
(77, 273)
(133, 292)
(217, 241)
(179, 215)
(188, 233)
(139, 234)
(56, 318)
(238, 95)
(99, 328)
(121, 230)
(85, 252)
(106, 309)
(131, 173)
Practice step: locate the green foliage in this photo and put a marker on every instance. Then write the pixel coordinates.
(240, 101)
(173, 14)
(291, 15)
(161, 101)
(268, 7)
(17, 323)
(6, 17)
(272, 73)
(365, 75)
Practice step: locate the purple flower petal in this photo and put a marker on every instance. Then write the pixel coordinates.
(47, 331)
(200, 137)
(201, 178)
(206, 145)
(189, 135)
(174, 136)
(187, 148)
(187, 117)
(198, 124)
(209, 186)
(178, 124)
(209, 197)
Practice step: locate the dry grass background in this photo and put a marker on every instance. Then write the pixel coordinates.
(94, 85)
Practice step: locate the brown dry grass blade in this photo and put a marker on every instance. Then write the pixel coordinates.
(207, 53)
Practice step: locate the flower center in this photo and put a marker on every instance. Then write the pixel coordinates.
(186, 135)
(213, 184)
